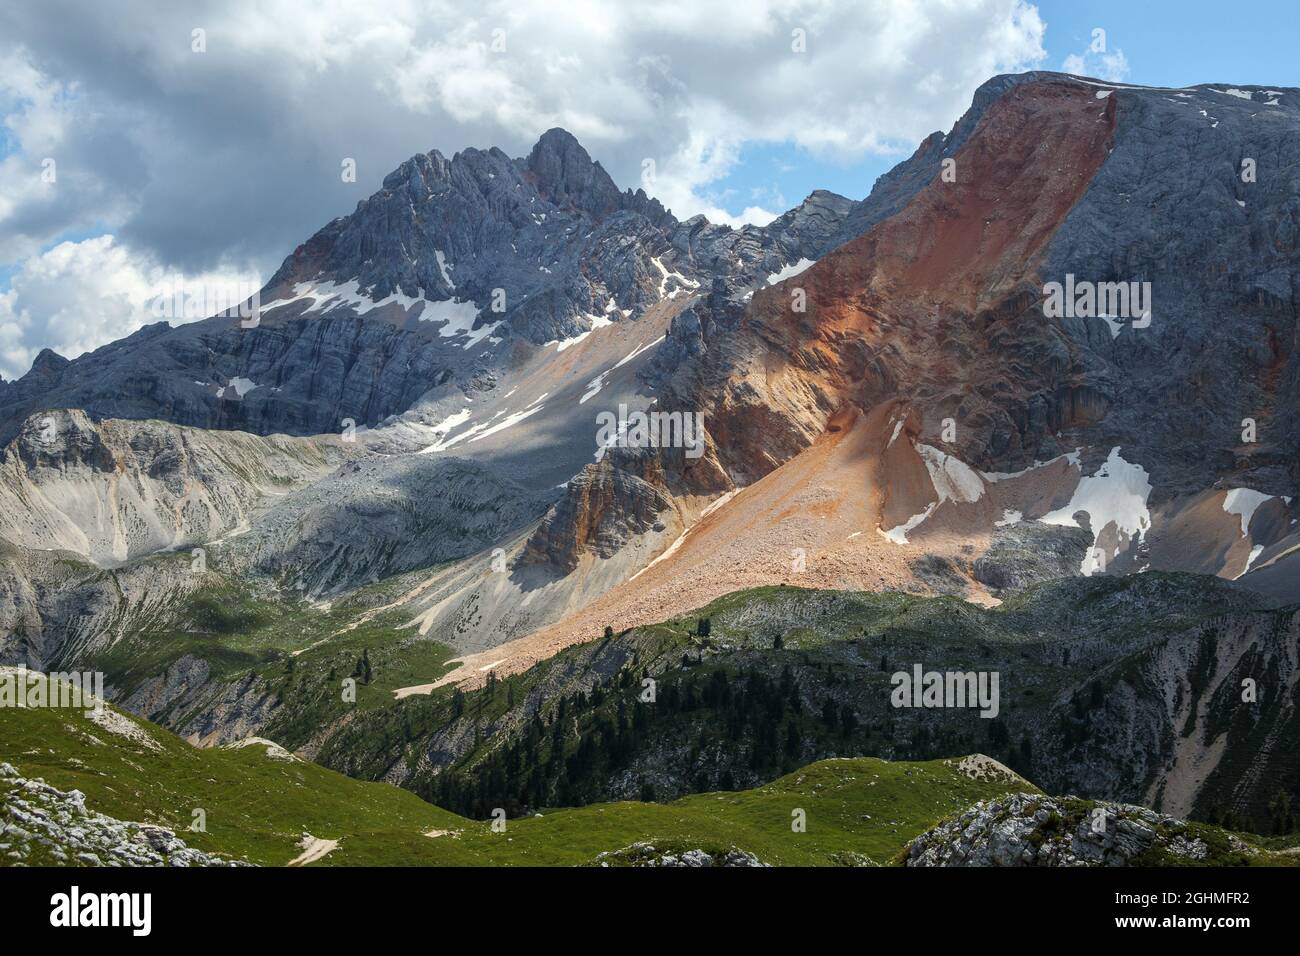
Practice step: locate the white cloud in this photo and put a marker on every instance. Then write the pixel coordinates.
(1098, 59)
(81, 295)
(34, 118)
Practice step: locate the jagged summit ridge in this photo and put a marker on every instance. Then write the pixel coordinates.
(436, 279)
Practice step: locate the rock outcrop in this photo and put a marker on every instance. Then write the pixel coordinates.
(604, 507)
(41, 825)
(1024, 829)
(647, 854)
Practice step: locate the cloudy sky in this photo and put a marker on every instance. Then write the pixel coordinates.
(127, 155)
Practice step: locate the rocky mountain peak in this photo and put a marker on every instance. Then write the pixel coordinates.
(419, 172)
(565, 174)
(48, 362)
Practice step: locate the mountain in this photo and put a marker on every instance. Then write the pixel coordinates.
(401, 297)
(940, 309)
(1023, 410)
(1008, 414)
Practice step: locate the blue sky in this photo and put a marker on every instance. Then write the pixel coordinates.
(1164, 44)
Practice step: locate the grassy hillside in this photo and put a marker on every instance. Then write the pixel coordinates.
(234, 625)
(259, 805)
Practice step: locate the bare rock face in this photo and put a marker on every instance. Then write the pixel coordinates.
(942, 303)
(61, 441)
(113, 491)
(935, 303)
(1025, 829)
(566, 176)
(604, 507)
(379, 517)
(941, 300)
(1199, 198)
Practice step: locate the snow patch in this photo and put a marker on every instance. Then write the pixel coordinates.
(593, 388)
(1255, 552)
(666, 276)
(597, 383)
(1243, 502)
(1116, 495)
(327, 296)
(597, 322)
(790, 271)
(242, 387)
(1114, 323)
(898, 534)
(637, 351)
(995, 476)
(953, 479)
(492, 426)
(458, 318)
(446, 427)
(443, 267)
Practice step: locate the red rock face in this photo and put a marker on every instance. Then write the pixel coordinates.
(604, 508)
(938, 303)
